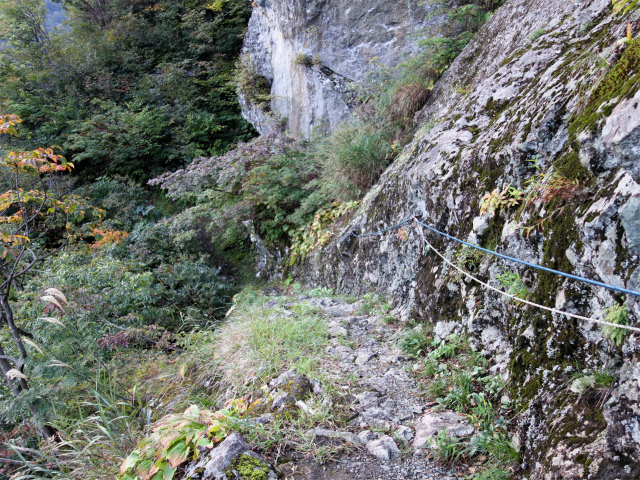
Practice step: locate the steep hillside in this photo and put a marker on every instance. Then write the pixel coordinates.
(541, 110)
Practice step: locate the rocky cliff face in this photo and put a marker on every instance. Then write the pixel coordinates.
(545, 101)
(545, 97)
(310, 51)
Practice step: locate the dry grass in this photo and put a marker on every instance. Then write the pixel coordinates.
(407, 101)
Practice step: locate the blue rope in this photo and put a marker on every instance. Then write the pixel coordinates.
(545, 269)
(385, 230)
(505, 257)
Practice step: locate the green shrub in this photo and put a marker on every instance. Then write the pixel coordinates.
(126, 203)
(448, 449)
(132, 90)
(176, 438)
(415, 342)
(114, 304)
(253, 86)
(496, 445)
(304, 60)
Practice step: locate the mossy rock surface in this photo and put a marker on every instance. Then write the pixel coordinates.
(248, 468)
(622, 81)
(299, 387)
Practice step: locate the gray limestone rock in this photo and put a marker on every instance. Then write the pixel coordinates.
(364, 356)
(384, 448)
(367, 436)
(337, 331)
(368, 399)
(344, 436)
(431, 424)
(341, 39)
(404, 433)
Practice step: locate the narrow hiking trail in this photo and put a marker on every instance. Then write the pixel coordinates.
(389, 422)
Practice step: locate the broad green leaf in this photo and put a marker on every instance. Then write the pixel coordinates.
(178, 454)
(168, 472)
(129, 462)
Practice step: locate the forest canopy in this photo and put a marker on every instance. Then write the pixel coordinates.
(132, 87)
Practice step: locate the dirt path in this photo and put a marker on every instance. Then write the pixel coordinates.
(383, 397)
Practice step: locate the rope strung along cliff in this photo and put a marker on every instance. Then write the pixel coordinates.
(499, 255)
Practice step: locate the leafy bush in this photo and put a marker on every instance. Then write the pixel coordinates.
(459, 379)
(353, 158)
(320, 292)
(318, 233)
(114, 303)
(303, 59)
(448, 449)
(128, 88)
(125, 202)
(253, 86)
(176, 438)
(415, 342)
(124, 140)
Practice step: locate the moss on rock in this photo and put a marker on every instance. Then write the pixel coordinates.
(620, 82)
(248, 468)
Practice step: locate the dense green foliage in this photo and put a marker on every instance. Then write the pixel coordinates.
(122, 292)
(127, 87)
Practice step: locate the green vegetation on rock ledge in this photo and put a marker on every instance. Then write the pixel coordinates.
(619, 82)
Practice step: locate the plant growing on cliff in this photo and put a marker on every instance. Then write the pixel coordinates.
(623, 7)
(469, 259)
(611, 85)
(317, 234)
(618, 314)
(303, 60)
(548, 190)
(498, 200)
(253, 86)
(353, 158)
(514, 285)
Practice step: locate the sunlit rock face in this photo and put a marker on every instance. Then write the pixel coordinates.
(311, 53)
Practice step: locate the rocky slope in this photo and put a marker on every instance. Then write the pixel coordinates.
(544, 80)
(366, 411)
(544, 100)
(309, 52)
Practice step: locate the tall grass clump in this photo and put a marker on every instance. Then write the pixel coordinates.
(353, 158)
